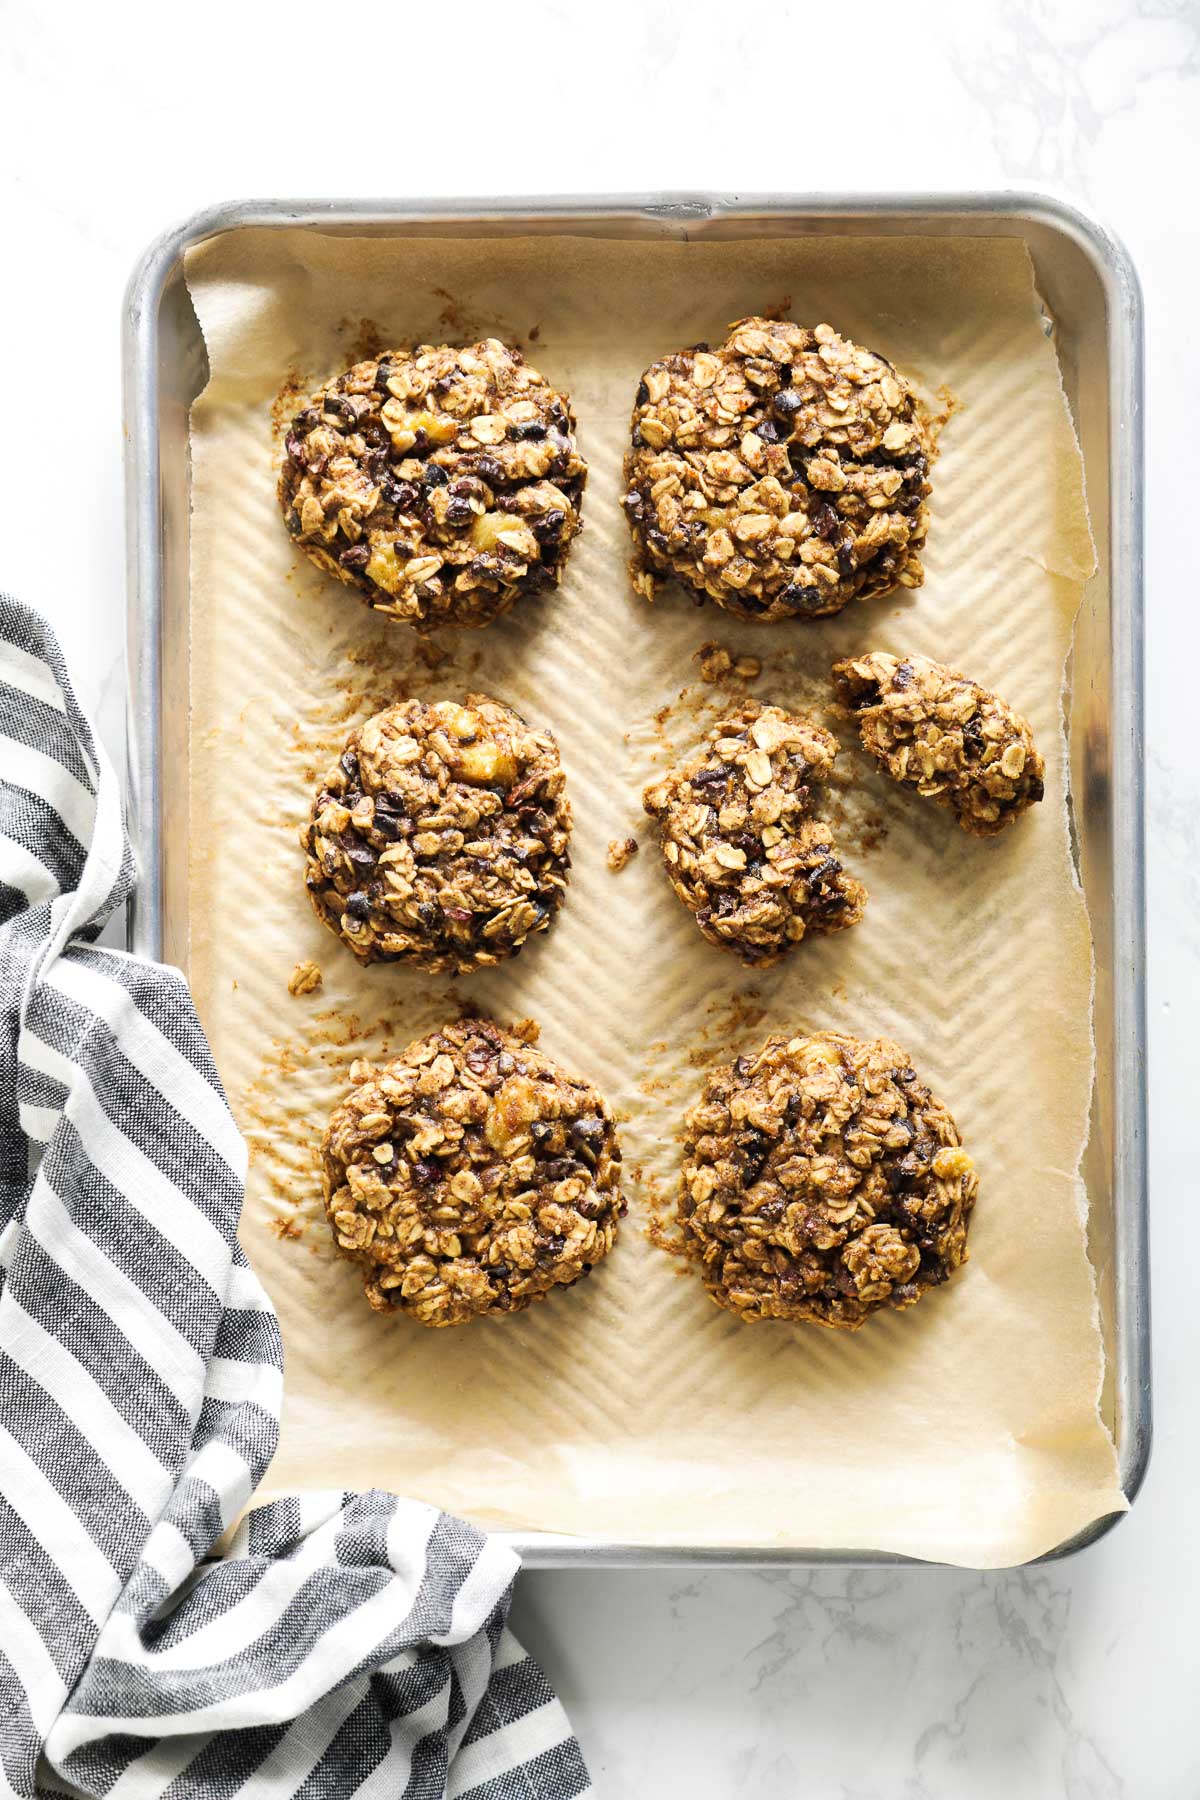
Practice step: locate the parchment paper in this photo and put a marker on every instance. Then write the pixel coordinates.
(631, 1407)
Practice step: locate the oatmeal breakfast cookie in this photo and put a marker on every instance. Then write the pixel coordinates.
(823, 1181)
(470, 1176)
(440, 837)
(742, 847)
(932, 729)
(783, 474)
(441, 483)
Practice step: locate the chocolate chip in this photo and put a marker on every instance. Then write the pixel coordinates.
(904, 677)
(768, 431)
(796, 598)
(787, 402)
(560, 1168)
(382, 376)
(643, 394)
(823, 872)
(400, 494)
(425, 1173)
(548, 530)
(349, 762)
(489, 470)
(713, 777)
(755, 1148)
(294, 447)
(847, 561)
(357, 905)
(527, 431)
(435, 475)
(459, 511)
(825, 522)
(356, 557)
(588, 1130)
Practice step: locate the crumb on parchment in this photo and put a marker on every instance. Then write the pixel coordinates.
(717, 663)
(305, 978)
(619, 852)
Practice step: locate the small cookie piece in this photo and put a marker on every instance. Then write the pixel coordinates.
(741, 845)
(441, 836)
(934, 730)
(783, 474)
(440, 483)
(305, 978)
(470, 1176)
(823, 1181)
(619, 852)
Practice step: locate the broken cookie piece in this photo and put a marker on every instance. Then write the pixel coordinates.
(783, 474)
(441, 836)
(742, 847)
(936, 731)
(441, 483)
(822, 1181)
(470, 1176)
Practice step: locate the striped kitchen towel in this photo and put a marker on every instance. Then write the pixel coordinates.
(346, 1644)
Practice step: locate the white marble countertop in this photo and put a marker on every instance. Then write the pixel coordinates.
(1075, 1680)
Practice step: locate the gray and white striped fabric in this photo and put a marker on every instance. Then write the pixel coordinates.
(345, 1645)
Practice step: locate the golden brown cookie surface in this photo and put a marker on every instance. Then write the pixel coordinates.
(441, 836)
(470, 1176)
(822, 1181)
(782, 474)
(441, 483)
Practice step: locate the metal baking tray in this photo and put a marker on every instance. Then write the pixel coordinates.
(1093, 305)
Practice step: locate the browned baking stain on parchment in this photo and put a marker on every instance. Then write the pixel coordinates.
(363, 340)
(290, 399)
